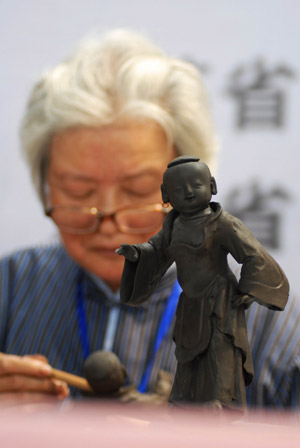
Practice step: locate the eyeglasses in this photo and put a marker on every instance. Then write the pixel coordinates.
(82, 220)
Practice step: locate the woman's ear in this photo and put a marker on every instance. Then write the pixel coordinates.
(164, 194)
(213, 185)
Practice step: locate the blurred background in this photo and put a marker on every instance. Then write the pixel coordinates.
(248, 53)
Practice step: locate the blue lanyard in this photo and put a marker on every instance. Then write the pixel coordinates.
(163, 327)
(83, 330)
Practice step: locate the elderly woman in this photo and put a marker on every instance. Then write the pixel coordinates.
(99, 130)
(98, 133)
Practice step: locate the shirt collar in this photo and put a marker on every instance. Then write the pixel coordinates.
(112, 297)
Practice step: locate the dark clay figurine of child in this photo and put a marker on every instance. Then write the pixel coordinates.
(214, 359)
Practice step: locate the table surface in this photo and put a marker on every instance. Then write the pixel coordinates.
(88, 424)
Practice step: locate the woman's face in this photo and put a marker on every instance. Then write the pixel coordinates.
(113, 167)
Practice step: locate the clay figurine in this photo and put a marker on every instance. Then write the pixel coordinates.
(214, 359)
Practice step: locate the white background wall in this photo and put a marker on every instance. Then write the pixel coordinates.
(219, 34)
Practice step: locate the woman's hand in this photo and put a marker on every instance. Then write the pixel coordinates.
(22, 376)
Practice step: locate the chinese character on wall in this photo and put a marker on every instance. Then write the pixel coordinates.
(261, 211)
(259, 94)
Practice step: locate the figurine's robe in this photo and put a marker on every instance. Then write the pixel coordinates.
(214, 360)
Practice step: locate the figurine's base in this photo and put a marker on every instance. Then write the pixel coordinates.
(214, 407)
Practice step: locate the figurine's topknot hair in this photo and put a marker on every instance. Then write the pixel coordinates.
(183, 159)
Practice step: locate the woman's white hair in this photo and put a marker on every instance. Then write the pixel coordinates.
(122, 75)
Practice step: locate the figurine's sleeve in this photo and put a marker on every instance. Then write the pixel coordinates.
(140, 278)
(261, 276)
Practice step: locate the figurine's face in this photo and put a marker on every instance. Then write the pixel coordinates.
(111, 168)
(188, 187)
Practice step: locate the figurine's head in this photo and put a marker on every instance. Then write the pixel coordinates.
(188, 185)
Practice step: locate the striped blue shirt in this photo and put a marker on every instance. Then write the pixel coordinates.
(38, 314)
(274, 338)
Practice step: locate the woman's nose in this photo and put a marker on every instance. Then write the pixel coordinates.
(109, 199)
(108, 225)
(108, 203)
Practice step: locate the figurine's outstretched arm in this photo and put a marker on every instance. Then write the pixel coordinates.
(144, 266)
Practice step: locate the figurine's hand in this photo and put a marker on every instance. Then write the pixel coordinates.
(129, 252)
(244, 300)
(22, 377)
